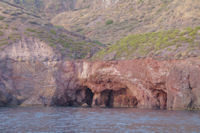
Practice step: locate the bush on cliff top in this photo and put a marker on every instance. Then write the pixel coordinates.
(110, 21)
(2, 17)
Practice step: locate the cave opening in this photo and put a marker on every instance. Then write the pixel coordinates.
(160, 96)
(84, 97)
(118, 98)
(107, 98)
(89, 96)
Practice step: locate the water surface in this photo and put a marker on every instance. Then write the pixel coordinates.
(96, 120)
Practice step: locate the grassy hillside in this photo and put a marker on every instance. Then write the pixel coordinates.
(50, 8)
(164, 44)
(110, 20)
(137, 28)
(17, 21)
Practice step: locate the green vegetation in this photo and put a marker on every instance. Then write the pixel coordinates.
(53, 32)
(28, 22)
(79, 30)
(99, 43)
(14, 37)
(2, 17)
(155, 42)
(31, 30)
(141, 1)
(63, 42)
(6, 26)
(59, 27)
(110, 21)
(3, 42)
(52, 45)
(1, 33)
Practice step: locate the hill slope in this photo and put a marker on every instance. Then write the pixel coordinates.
(17, 22)
(160, 27)
(50, 8)
(110, 20)
(169, 44)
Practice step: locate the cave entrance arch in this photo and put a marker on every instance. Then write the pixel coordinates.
(84, 97)
(89, 96)
(115, 98)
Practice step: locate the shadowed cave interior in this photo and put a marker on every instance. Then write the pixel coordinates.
(107, 98)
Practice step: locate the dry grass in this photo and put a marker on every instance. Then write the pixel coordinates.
(19, 22)
(130, 16)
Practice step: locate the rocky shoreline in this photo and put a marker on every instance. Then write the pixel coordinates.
(28, 78)
(139, 83)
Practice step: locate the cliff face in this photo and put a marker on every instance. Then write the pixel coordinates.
(33, 77)
(33, 53)
(27, 73)
(140, 83)
(136, 83)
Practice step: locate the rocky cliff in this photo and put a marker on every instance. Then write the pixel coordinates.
(33, 74)
(140, 83)
(155, 70)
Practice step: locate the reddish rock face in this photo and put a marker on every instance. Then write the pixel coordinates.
(140, 83)
(136, 83)
(183, 86)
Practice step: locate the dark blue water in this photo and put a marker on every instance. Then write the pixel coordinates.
(96, 120)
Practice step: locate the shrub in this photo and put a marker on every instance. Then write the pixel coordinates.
(30, 30)
(52, 45)
(110, 21)
(59, 26)
(2, 17)
(142, 44)
(1, 33)
(99, 43)
(53, 32)
(79, 30)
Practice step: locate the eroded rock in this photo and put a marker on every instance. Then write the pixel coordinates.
(183, 85)
(33, 79)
